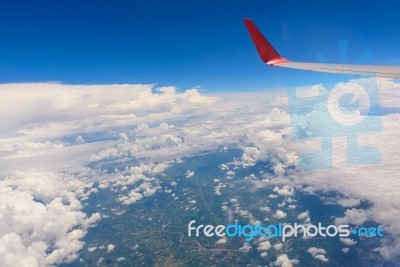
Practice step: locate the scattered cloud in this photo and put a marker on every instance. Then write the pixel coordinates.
(189, 174)
(353, 216)
(110, 248)
(53, 144)
(304, 216)
(318, 253)
(280, 214)
(222, 240)
(348, 202)
(284, 261)
(348, 241)
(284, 191)
(265, 245)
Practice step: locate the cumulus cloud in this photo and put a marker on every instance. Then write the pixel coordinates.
(46, 134)
(284, 191)
(318, 253)
(222, 240)
(189, 174)
(246, 247)
(321, 257)
(46, 145)
(304, 216)
(280, 214)
(348, 241)
(91, 249)
(348, 202)
(389, 93)
(110, 248)
(265, 245)
(353, 216)
(265, 209)
(131, 198)
(230, 173)
(218, 188)
(345, 250)
(42, 222)
(284, 261)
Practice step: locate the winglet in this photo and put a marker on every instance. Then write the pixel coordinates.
(266, 51)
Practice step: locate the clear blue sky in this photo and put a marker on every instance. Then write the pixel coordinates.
(187, 43)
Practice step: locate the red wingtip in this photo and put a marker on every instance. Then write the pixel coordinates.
(266, 51)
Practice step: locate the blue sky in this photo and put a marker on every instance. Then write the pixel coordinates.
(188, 43)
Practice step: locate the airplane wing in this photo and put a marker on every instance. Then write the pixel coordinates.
(271, 57)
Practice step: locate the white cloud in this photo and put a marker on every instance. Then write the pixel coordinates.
(189, 174)
(321, 257)
(348, 202)
(110, 248)
(265, 209)
(222, 240)
(91, 249)
(310, 91)
(389, 93)
(131, 198)
(353, 216)
(284, 191)
(246, 247)
(284, 261)
(45, 133)
(42, 222)
(314, 251)
(223, 167)
(348, 241)
(218, 188)
(265, 245)
(318, 253)
(280, 214)
(43, 147)
(304, 215)
(345, 250)
(120, 259)
(230, 173)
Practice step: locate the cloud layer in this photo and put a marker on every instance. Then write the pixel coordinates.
(55, 137)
